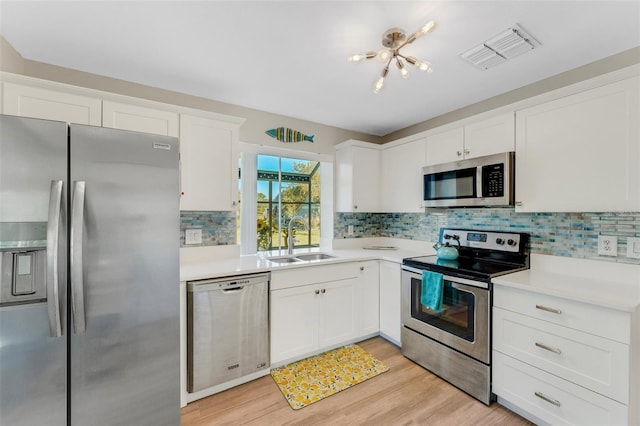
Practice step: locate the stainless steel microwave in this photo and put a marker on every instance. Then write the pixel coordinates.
(476, 182)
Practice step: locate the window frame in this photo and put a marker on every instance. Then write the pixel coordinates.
(248, 204)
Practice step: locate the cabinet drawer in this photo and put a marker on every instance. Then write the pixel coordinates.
(597, 320)
(598, 364)
(314, 275)
(551, 398)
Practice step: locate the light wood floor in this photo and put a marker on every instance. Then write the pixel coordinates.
(405, 395)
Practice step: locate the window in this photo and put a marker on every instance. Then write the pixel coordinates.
(286, 188)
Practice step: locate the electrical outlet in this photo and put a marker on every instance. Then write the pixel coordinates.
(350, 230)
(193, 236)
(633, 247)
(607, 245)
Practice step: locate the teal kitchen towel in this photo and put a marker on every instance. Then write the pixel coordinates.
(432, 287)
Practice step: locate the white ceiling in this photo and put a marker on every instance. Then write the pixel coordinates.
(290, 57)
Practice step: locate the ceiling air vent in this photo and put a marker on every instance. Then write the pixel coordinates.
(508, 44)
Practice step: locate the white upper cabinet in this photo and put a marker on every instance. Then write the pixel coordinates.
(208, 163)
(49, 104)
(490, 136)
(444, 147)
(357, 177)
(401, 171)
(580, 152)
(125, 116)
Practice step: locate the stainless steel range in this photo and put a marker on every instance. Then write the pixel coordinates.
(455, 342)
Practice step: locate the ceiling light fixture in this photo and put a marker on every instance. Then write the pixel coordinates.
(393, 40)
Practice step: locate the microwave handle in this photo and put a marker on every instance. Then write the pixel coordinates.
(479, 182)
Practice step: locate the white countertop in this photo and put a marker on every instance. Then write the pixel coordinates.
(198, 264)
(607, 284)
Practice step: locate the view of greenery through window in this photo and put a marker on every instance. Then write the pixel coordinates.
(287, 187)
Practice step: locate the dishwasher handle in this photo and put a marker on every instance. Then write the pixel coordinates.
(233, 289)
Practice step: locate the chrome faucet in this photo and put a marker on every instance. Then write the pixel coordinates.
(290, 239)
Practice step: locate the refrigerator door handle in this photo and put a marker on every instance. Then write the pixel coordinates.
(53, 242)
(77, 283)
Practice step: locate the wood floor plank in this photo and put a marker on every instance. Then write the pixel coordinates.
(405, 395)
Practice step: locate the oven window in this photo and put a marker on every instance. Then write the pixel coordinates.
(450, 185)
(457, 315)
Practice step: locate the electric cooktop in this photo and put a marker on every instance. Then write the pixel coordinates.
(482, 254)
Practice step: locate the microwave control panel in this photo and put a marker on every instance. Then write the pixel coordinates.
(493, 180)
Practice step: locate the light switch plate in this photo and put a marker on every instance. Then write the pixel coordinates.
(607, 245)
(633, 247)
(193, 236)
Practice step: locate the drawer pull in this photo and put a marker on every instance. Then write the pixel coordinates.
(548, 348)
(548, 309)
(548, 399)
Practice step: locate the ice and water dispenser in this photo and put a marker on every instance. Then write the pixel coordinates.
(22, 263)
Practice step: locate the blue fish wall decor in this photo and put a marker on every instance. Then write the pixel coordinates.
(288, 135)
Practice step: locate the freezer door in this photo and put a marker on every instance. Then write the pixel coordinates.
(33, 346)
(124, 336)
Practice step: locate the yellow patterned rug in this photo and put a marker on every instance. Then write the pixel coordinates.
(312, 379)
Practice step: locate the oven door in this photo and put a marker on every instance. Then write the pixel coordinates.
(464, 322)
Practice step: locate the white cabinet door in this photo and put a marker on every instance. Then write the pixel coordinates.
(491, 136)
(368, 299)
(357, 179)
(390, 296)
(208, 164)
(401, 172)
(581, 152)
(139, 119)
(445, 147)
(337, 317)
(294, 322)
(35, 102)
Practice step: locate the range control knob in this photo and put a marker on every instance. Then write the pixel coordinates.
(499, 241)
(512, 242)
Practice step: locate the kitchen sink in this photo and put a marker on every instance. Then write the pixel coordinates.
(314, 256)
(283, 259)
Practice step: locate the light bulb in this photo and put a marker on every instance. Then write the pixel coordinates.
(357, 57)
(421, 65)
(403, 70)
(378, 85)
(424, 66)
(384, 55)
(425, 29)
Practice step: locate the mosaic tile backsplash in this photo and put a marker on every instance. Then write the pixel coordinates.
(218, 228)
(558, 234)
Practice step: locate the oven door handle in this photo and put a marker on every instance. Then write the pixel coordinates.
(458, 280)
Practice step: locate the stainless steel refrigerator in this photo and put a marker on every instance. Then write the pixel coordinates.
(89, 295)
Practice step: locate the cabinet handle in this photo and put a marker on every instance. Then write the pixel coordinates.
(459, 153)
(317, 291)
(466, 151)
(323, 291)
(548, 348)
(548, 399)
(548, 309)
(362, 268)
(519, 203)
(355, 207)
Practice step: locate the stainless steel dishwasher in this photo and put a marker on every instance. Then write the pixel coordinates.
(227, 329)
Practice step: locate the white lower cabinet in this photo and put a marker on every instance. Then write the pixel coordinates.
(390, 296)
(313, 308)
(563, 361)
(318, 308)
(550, 398)
(368, 299)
